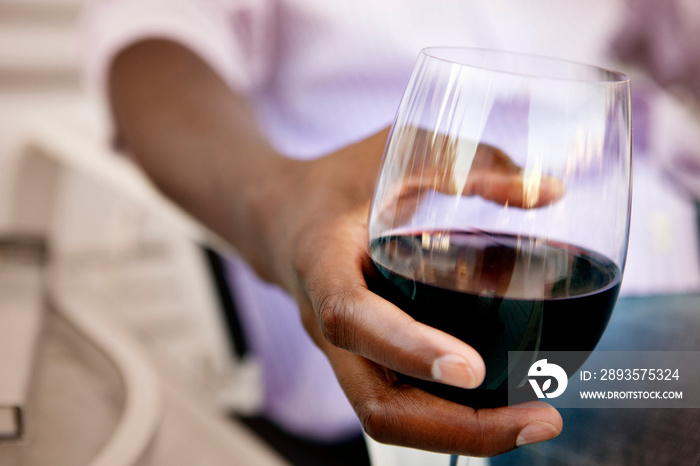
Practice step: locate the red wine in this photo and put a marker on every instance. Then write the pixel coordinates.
(498, 293)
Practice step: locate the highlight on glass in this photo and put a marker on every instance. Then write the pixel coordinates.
(501, 212)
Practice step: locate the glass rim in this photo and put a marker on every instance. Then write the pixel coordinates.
(613, 77)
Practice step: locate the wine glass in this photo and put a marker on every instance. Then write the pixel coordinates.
(501, 212)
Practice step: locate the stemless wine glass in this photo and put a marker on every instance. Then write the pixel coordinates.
(501, 213)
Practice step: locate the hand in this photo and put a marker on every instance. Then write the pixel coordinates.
(367, 338)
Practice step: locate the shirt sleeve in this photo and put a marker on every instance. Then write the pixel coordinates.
(232, 37)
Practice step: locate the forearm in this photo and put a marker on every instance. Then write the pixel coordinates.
(200, 144)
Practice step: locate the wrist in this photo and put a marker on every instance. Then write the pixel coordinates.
(267, 206)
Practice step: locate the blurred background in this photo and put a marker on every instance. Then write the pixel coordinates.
(39, 64)
(127, 358)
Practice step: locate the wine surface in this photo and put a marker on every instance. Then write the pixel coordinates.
(498, 293)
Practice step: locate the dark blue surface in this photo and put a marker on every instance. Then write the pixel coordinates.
(630, 436)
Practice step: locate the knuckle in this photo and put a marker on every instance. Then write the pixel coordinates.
(334, 311)
(377, 420)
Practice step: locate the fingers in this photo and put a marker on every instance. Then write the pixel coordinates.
(493, 176)
(399, 414)
(380, 339)
(515, 190)
(365, 324)
(353, 318)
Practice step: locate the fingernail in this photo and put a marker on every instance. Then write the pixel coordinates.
(552, 188)
(454, 370)
(536, 432)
